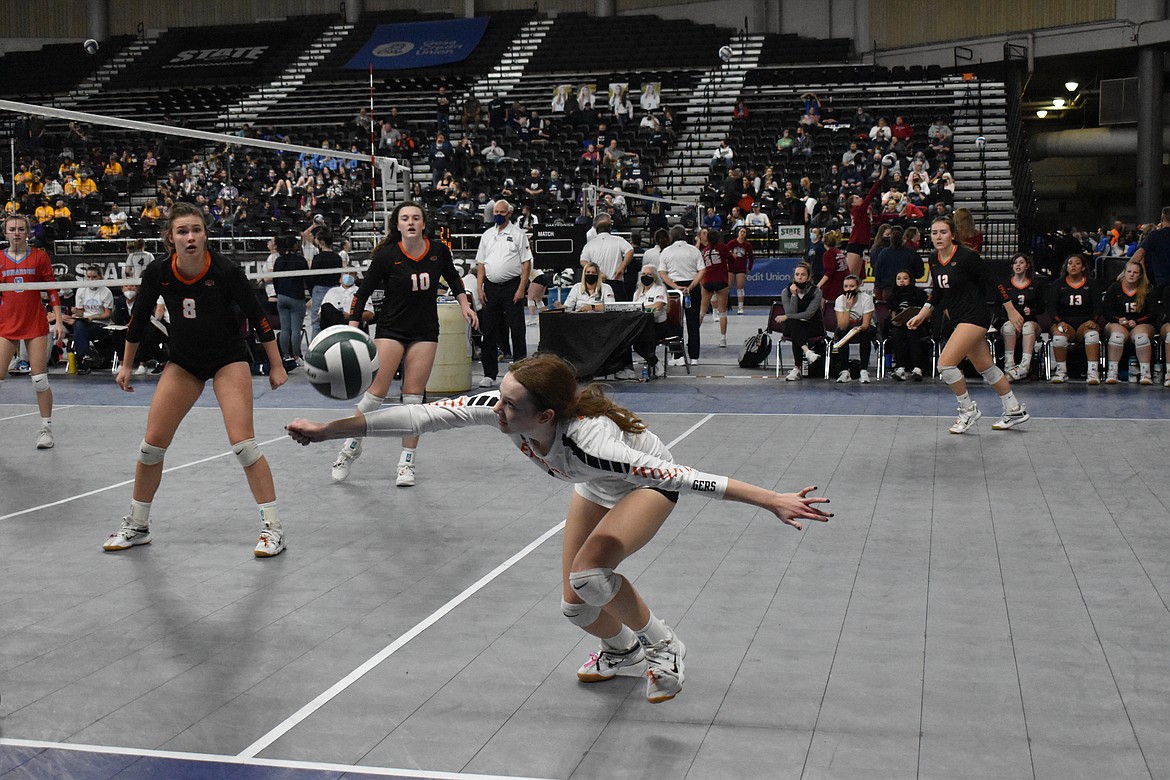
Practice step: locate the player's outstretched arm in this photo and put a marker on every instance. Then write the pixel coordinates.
(789, 507)
(307, 431)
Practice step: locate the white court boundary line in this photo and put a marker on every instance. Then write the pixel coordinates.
(36, 412)
(125, 482)
(237, 760)
(300, 715)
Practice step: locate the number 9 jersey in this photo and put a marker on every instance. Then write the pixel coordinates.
(411, 285)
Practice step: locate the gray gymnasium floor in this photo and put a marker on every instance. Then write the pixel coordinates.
(989, 605)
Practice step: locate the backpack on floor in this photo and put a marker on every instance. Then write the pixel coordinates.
(755, 350)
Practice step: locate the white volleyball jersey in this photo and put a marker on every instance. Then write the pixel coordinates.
(592, 450)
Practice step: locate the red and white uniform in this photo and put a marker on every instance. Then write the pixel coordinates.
(22, 315)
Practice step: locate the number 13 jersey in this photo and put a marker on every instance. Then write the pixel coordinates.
(411, 285)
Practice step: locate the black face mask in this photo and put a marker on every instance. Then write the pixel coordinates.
(590, 278)
(647, 280)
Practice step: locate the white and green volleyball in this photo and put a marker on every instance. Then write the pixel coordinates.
(341, 362)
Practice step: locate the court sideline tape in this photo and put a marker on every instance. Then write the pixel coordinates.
(304, 712)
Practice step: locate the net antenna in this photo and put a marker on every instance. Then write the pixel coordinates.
(393, 174)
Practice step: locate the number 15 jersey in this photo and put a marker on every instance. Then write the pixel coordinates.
(411, 285)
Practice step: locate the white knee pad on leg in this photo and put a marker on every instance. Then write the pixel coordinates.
(722, 315)
(950, 374)
(1117, 339)
(369, 403)
(580, 615)
(1060, 341)
(1030, 328)
(247, 452)
(1008, 329)
(991, 375)
(150, 455)
(1141, 340)
(411, 400)
(40, 382)
(596, 586)
(1091, 337)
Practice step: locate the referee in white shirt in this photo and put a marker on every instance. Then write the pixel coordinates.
(613, 254)
(680, 266)
(502, 265)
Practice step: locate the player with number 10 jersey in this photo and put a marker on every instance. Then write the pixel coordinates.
(411, 284)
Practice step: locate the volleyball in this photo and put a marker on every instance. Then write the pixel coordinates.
(341, 362)
(890, 161)
(91, 46)
(725, 53)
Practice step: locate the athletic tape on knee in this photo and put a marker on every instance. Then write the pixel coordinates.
(369, 403)
(1091, 337)
(596, 586)
(992, 375)
(150, 455)
(247, 452)
(580, 615)
(1008, 329)
(950, 374)
(411, 400)
(1141, 340)
(40, 382)
(1060, 341)
(1117, 339)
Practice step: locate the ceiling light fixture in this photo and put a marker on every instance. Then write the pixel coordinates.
(1058, 102)
(1041, 114)
(1071, 86)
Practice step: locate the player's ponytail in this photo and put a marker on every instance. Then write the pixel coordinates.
(551, 383)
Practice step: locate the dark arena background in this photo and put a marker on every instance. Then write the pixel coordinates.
(991, 605)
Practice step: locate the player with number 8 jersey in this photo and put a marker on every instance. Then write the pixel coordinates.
(410, 268)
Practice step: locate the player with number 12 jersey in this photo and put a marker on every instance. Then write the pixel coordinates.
(411, 284)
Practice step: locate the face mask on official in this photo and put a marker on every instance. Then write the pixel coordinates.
(500, 219)
(647, 280)
(590, 278)
(347, 280)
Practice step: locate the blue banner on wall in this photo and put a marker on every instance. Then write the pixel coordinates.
(769, 276)
(419, 44)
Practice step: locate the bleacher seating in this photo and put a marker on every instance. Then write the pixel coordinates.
(35, 75)
(588, 43)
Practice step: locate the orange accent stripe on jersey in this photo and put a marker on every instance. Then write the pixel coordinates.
(1084, 281)
(950, 257)
(198, 276)
(409, 256)
(1026, 285)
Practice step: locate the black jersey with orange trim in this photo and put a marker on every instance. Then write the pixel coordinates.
(1120, 304)
(1075, 302)
(1027, 298)
(959, 286)
(411, 285)
(205, 322)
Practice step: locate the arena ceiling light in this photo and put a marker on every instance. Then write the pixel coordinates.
(1041, 114)
(1071, 86)
(1058, 102)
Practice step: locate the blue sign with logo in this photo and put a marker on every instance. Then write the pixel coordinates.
(769, 276)
(419, 44)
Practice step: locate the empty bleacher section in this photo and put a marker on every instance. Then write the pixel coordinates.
(585, 43)
(35, 76)
(790, 49)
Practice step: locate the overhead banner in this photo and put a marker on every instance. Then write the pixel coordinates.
(419, 44)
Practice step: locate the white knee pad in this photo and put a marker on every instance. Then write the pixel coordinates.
(1141, 340)
(950, 374)
(411, 400)
(40, 382)
(150, 455)
(580, 615)
(722, 315)
(247, 452)
(1030, 328)
(1091, 337)
(1117, 339)
(1060, 341)
(596, 586)
(369, 403)
(992, 375)
(1008, 329)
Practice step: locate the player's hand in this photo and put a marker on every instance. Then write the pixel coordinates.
(59, 332)
(1017, 320)
(917, 319)
(277, 376)
(791, 507)
(124, 377)
(471, 317)
(306, 431)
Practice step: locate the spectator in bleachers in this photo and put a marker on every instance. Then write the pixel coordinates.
(589, 162)
(62, 219)
(893, 259)
(757, 222)
(861, 121)
(849, 156)
(942, 149)
(801, 320)
(527, 220)
(740, 113)
(734, 221)
(53, 188)
(1128, 310)
(722, 157)
(784, 144)
(810, 110)
(881, 132)
(711, 219)
(649, 124)
(493, 153)
(968, 234)
(442, 111)
(939, 127)
(802, 144)
(440, 157)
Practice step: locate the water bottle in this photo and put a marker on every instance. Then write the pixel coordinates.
(1159, 375)
(645, 373)
(71, 363)
(686, 300)
(1133, 370)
